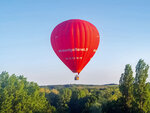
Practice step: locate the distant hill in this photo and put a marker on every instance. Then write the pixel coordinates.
(80, 86)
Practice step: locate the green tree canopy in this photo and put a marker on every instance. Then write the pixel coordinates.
(17, 95)
(141, 88)
(126, 86)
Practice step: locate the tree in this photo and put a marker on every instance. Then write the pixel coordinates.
(141, 88)
(126, 87)
(63, 100)
(78, 100)
(17, 95)
(91, 104)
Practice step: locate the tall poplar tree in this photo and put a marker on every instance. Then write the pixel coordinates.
(141, 88)
(126, 86)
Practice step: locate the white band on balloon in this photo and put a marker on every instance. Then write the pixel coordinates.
(74, 58)
(74, 49)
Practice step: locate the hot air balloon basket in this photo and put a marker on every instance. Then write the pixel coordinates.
(76, 77)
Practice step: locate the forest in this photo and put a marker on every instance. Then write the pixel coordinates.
(132, 95)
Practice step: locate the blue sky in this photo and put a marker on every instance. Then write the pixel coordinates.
(26, 26)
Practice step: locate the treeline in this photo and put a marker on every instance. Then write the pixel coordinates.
(17, 95)
(77, 86)
(74, 100)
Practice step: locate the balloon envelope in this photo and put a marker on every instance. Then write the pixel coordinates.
(75, 42)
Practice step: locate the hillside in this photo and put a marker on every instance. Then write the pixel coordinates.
(79, 86)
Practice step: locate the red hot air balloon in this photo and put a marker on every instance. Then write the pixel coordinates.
(75, 42)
